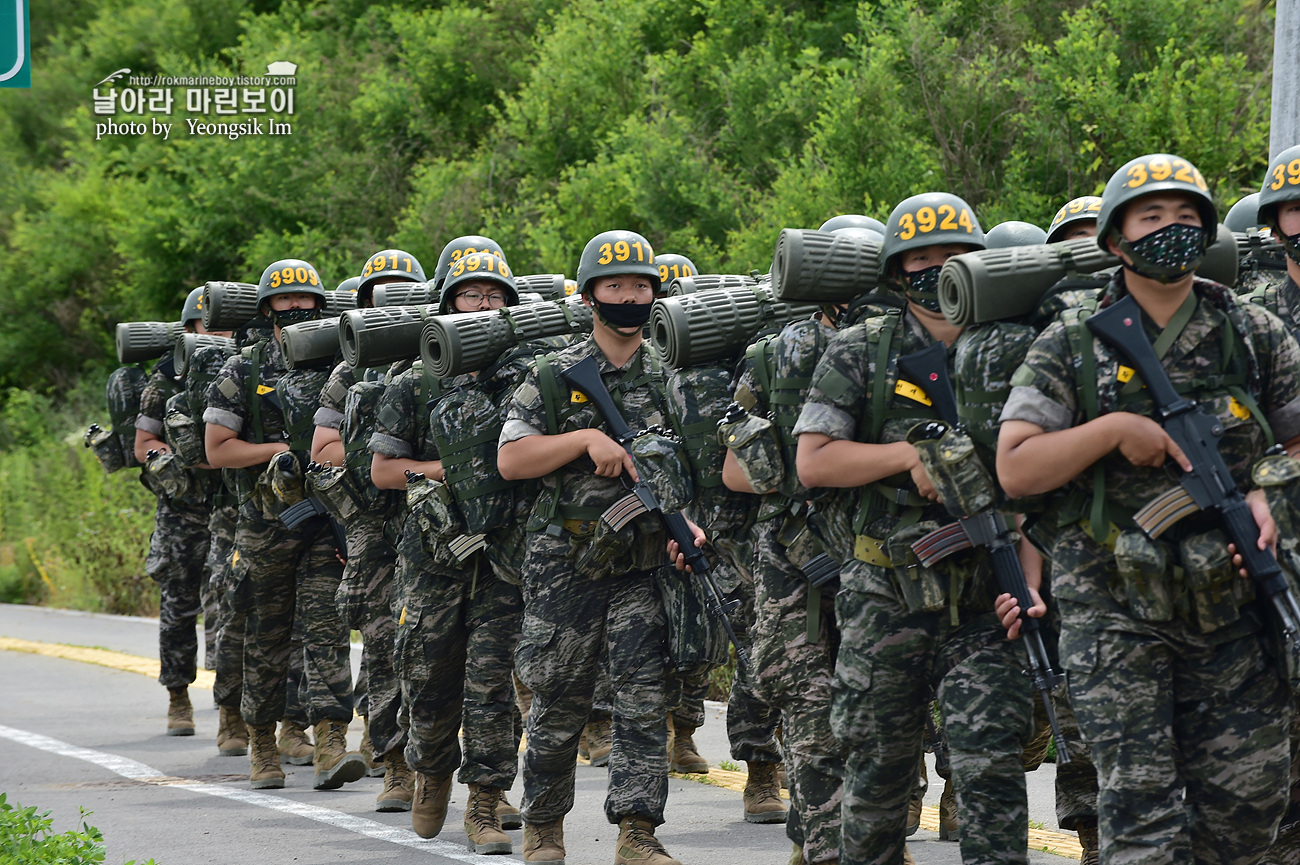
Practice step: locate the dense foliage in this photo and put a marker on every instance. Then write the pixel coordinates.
(705, 124)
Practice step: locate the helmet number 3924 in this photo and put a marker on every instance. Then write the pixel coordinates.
(927, 219)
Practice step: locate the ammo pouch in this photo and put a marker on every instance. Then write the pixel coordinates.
(661, 464)
(803, 548)
(182, 432)
(922, 589)
(329, 484)
(959, 476)
(505, 552)
(107, 447)
(1145, 580)
(598, 551)
(754, 441)
(168, 476)
(695, 637)
(1216, 590)
(442, 529)
(285, 479)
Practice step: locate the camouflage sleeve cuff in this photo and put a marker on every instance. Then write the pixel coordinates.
(390, 446)
(328, 417)
(1285, 421)
(515, 429)
(148, 424)
(227, 419)
(1029, 404)
(830, 420)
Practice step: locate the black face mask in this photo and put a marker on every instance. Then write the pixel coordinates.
(1167, 254)
(1291, 243)
(923, 287)
(622, 315)
(282, 318)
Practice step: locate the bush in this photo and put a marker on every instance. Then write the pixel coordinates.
(27, 839)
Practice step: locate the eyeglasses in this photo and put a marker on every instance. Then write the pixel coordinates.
(477, 297)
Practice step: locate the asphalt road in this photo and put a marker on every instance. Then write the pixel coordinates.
(77, 735)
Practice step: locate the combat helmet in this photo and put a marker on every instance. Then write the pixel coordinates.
(390, 265)
(611, 253)
(673, 266)
(193, 307)
(1082, 209)
(466, 244)
(851, 220)
(1005, 235)
(477, 267)
(1243, 217)
(1281, 183)
(289, 276)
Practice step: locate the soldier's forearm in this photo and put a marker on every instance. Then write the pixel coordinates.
(227, 451)
(535, 456)
(389, 473)
(145, 442)
(327, 446)
(826, 462)
(1031, 461)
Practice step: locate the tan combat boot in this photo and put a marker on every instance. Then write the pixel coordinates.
(232, 733)
(763, 796)
(682, 756)
(508, 814)
(375, 767)
(295, 747)
(637, 844)
(481, 824)
(335, 764)
(180, 713)
(913, 815)
(523, 698)
(948, 813)
(796, 856)
(544, 842)
(429, 807)
(1090, 842)
(599, 742)
(907, 856)
(399, 786)
(264, 759)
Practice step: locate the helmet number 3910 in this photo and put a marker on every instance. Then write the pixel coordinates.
(926, 219)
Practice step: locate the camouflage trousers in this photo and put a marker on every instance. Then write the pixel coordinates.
(1076, 781)
(228, 649)
(286, 581)
(568, 621)
(751, 720)
(1286, 849)
(794, 674)
(366, 604)
(221, 541)
(891, 663)
(1189, 738)
(178, 553)
(454, 653)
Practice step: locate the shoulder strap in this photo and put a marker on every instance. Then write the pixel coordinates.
(254, 398)
(880, 382)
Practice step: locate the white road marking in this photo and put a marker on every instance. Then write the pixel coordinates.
(137, 771)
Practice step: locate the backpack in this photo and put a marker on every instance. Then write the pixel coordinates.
(355, 429)
(125, 386)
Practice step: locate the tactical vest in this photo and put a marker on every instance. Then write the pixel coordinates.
(355, 429)
(125, 386)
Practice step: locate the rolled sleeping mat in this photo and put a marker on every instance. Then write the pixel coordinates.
(380, 336)
(146, 340)
(1222, 259)
(816, 267)
(707, 282)
(405, 294)
(464, 342)
(1262, 244)
(188, 343)
(228, 305)
(692, 329)
(1001, 284)
(310, 342)
(339, 302)
(549, 285)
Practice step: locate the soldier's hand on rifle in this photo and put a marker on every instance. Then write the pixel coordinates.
(1267, 528)
(1143, 442)
(676, 556)
(1008, 611)
(609, 456)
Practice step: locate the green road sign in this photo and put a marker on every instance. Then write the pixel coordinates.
(15, 44)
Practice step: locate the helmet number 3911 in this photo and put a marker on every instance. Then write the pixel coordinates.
(622, 251)
(927, 219)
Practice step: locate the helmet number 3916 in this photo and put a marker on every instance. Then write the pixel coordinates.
(926, 219)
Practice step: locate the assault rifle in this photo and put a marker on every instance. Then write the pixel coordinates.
(584, 377)
(1209, 485)
(296, 514)
(986, 528)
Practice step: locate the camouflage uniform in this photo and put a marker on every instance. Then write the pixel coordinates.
(621, 612)
(178, 550)
(794, 671)
(892, 660)
(457, 625)
(1202, 776)
(369, 575)
(283, 579)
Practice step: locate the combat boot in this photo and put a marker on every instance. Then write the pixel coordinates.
(180, 713)
(232, 733)
(1090, 843)
(335, 764)
(796, 856)
(295, 747)
(482, 827)
(429, 808)
(948, 813)
(913, 815)
(544, 842)
(599, 742)
(399, 787)
(264, 771)
(637, 844)
(682, 756)
(762, 795)
(375, 767)
(907, 857)
(508, 814)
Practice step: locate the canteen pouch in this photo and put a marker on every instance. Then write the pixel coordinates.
(959, 476)
(1217, 591)
(168, 476)
(661, 464)
(329, 484)
(605, 552)
(505, 552)
(284, 477)
(434, 510)
(758, 453)
(922, 589)
(1144, 581)
(184, 436)
(107, 448)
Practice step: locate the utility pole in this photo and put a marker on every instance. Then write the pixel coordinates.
(1284, 128)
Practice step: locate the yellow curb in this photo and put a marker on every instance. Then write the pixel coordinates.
(103, 657)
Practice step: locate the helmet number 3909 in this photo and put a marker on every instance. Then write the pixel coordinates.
(926, 219)
(294, 276)
(622, 251)
(1161, 169)
(1284, 175)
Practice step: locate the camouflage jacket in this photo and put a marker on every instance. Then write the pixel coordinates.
(162, 385)
(1047, 391)
(1276, 292)
(334, 396)
(228, 397)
